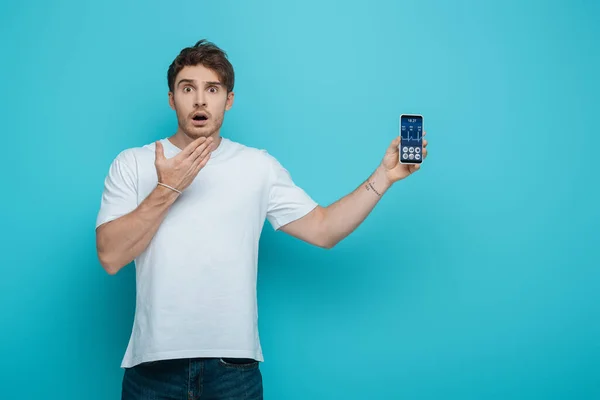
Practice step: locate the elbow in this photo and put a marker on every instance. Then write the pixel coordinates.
(329, 245)
(109, 260)
(325, 239)
(110, 266)
(111, 270)
(327, 242)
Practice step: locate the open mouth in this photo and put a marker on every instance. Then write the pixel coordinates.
(199, 119)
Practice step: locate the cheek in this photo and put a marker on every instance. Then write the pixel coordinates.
(181, 106)
(179, 110)
(217, 106)
(223, 103)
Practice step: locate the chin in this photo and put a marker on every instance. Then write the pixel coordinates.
(196, 133)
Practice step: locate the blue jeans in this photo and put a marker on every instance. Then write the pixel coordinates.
(194, 379)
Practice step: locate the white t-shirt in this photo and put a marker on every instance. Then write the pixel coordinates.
(196, 280)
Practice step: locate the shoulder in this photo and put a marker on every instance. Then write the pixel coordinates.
(127, 157)
(253, 156)
(132, 157)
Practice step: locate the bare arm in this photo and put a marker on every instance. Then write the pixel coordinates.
(120, 241)
(346, 214)
(327, 226)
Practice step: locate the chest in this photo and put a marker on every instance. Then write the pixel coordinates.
(221, 194)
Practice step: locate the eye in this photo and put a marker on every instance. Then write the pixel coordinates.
(187, 89)
(213, 89)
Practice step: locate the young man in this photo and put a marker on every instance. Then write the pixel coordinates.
(189, 209)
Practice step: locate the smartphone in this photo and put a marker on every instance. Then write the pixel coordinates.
(411, 139)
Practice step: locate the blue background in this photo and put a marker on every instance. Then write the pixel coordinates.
(492, 293)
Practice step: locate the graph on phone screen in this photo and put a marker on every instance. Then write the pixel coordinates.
(411, 144)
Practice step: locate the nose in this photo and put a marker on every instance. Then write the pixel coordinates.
(200, 99)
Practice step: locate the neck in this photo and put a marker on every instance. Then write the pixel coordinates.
(181, 140)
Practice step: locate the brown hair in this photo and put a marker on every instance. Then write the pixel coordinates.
(207, 54)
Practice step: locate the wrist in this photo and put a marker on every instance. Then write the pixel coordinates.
(166, 195)
(380, 175)
(379, 181)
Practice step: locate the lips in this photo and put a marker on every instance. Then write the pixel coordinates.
(199, 118)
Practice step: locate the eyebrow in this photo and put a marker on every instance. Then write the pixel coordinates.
(194, 81)
(214, 83)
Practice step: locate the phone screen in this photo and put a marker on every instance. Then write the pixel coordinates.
(411, 143)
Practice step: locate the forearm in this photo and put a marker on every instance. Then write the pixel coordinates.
(120, 241)
(344, 216)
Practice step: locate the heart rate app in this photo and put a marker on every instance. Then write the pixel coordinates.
(411, 131)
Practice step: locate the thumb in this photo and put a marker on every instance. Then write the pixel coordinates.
(160, 155)
(394, 145)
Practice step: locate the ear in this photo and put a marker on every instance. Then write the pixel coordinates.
(172, 100)
(229, 102)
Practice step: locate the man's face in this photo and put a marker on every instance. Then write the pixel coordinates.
(200, 101)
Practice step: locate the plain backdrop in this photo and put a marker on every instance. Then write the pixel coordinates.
(476, 278)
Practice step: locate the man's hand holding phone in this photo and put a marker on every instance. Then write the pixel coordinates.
(391, 165)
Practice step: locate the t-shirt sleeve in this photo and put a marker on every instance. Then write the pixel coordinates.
(287, 201)
(120, 190)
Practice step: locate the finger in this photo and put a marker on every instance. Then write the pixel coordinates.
(189, 149)
(425, 142)
(159, 152)
(425, 153)
(414, 167)
(202, 164)
(209, 149)
(201, 150)
(198, 151)
(424, 133)
(394, 145)
(206, 152)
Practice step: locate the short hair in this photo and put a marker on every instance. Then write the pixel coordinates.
(207, 54)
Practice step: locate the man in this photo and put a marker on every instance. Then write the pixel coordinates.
(189, 209)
